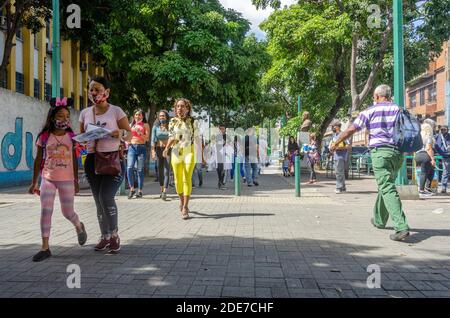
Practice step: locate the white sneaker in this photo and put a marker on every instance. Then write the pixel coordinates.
(338, 191)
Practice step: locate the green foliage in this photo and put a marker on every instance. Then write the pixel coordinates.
(156, 51)
(310, 45)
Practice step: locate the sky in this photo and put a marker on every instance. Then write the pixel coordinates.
(250, 13)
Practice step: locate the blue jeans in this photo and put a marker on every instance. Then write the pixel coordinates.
(104, 189)
(241, 166)
(445, 172)
(251, 172)
(136, 153)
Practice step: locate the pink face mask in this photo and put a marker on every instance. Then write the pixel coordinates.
(100, 98)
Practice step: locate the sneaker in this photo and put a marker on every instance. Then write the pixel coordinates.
(164, 196)
(255, 183)
(338, 191)
(250, 185)
(82, 236)
(373, 223)
(42, 255)
(430, 191)
(399, 236)
(131, 194)
(114, 246)
(102, 245)
(139, 195)
(443, 190)
(425, 194)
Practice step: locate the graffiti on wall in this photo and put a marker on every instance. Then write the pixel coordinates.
(12, 148)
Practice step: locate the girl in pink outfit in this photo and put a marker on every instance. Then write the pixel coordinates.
(57, 164)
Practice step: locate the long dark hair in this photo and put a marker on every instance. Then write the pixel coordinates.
(49, 125)
(291, 137)
(157, 122)
(138, 111)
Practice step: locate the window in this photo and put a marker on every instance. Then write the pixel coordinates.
(432, 94)
(47, 29)
(20, 83)
(37, 89)
(412, 100)
(48, 91)
(19, 34)
(422, 96)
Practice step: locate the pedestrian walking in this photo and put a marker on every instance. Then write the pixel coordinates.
(56, 163)
(183, 131)
(380, 121)
(221, 139)
(251, 158)
(425, 159)
(286, 163)
(160, 138)
(293, 150)
(313, 157)
(104, 167)
(137, 152)
(442, 148)
(340, 156)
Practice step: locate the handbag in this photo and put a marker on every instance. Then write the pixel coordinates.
(106, 163)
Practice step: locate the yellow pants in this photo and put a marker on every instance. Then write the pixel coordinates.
(183, 164)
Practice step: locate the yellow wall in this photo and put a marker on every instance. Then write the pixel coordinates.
(28, 62)
(11, 79)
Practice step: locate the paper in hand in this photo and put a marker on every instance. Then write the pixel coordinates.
(92, 133)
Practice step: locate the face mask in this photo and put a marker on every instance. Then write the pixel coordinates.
(62, 124)
(100, 98)
(163, 122)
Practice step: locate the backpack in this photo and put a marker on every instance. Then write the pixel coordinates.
(44, 138)
(407, 137)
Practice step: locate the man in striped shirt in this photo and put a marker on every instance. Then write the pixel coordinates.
(386, 159)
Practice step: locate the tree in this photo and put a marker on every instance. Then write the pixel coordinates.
(31, 14)
(339, 50)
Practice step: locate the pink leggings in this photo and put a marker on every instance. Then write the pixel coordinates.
(66, 191)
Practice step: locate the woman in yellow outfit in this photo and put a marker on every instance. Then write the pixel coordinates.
(182, 132)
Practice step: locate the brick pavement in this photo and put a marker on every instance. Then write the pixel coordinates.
(266, 243)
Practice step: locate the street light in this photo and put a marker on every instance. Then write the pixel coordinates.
(399, 72)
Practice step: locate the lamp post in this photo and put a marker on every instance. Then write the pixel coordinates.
(56, 56)
(399, 72)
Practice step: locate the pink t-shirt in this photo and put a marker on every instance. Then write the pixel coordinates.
(58, 164)
(109, 121)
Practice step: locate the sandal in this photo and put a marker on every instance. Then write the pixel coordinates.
(185, 215)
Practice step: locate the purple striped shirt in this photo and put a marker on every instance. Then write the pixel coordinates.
(380, 121)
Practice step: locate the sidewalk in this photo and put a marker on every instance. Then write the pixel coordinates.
(266, 243)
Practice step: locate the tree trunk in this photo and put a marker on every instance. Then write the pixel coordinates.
(358, 98)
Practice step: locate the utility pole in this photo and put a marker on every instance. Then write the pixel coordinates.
(56, 52)
(399, 72)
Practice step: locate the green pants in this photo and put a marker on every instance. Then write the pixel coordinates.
(386, 164)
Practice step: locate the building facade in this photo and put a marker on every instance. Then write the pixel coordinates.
(29, 70)
(426, 95)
